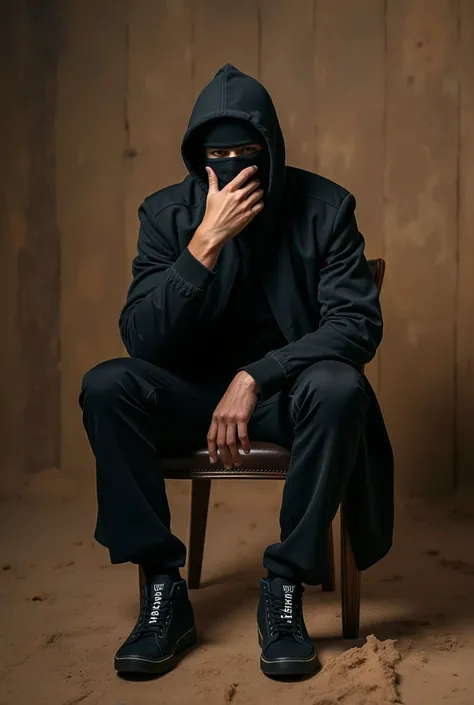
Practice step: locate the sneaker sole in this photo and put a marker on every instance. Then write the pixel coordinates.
(288, 667)
(139, 664)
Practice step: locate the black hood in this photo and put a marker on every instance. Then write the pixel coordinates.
(232, 93)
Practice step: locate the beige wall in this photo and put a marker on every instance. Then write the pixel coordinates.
(29, 240)
(377, 95)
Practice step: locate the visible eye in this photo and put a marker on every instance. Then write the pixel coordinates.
(249, 150)
(217, 153)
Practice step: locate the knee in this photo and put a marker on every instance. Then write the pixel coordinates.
(336, 385)
(106, 381)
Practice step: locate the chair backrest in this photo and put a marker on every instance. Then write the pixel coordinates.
(377, 267)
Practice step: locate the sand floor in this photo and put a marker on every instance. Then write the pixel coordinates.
(65, 609)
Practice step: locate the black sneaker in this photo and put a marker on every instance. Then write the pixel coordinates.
(164, 630)
(286, 647)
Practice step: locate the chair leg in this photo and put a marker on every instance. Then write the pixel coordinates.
(329, 583)
(350, 585)
(197, 534)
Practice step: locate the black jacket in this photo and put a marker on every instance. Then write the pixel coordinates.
(314, 273)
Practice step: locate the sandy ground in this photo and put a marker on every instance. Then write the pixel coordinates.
(65, 609)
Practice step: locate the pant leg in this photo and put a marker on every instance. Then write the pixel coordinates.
(321, 418)
(132, 412)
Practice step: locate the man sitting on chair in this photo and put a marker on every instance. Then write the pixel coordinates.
(251, 315)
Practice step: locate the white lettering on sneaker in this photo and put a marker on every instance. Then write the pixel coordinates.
(288, 607)
(155, 610)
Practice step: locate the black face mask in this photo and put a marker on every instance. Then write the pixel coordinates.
(227, 168)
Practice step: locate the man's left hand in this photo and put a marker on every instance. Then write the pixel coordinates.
(230, 420)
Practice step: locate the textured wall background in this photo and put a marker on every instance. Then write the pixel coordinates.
(375, 94)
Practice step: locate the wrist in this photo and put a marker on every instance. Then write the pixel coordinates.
(208, 239)
(205, 248)
(249, 381)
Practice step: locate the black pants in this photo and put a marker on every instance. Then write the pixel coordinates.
(133, 411)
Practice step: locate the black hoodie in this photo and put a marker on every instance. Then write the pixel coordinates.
(312, 259)
(173, 297)
(314, 273)
(232, 93)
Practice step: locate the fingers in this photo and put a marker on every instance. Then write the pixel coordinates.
(212, 442)
(243, 437)
(249, 187)
(241, 178)
(226, 434)
(231, 440)
(257, 207)
(222, 445)
(213, 182)
(255, 197)
(252, 196)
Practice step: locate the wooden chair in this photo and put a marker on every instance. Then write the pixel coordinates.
(266, 461)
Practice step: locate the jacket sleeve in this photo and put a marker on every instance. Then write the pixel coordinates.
(166, 293)
(350, 327)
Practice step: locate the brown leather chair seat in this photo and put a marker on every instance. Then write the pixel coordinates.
(268, 460)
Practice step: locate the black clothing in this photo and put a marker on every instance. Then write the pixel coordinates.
(247, 329)
(227, 168)
(249, 315)
(152, 566)
(322, 295)
(135, 413)
(314, 271)
(230, 132)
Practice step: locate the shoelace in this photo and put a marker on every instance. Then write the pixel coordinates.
(279, 623)
(143, 626)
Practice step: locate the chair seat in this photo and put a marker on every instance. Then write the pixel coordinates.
(266, 461)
